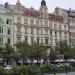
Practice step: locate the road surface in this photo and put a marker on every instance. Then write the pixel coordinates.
(71, 73)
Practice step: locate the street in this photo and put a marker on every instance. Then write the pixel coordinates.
(71, 73)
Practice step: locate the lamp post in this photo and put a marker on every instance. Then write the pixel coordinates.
(54, 68)
(66, 66)
(65, 57)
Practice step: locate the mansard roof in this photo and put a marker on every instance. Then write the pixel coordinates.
(36, 13)
(55, 18)
(31, 12)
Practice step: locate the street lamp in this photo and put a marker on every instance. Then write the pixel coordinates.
(54, 68)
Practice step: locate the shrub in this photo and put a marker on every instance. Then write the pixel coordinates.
(48, 68)
(65, 67)
(2, 71)
(20, 70)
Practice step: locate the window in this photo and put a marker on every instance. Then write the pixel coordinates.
(50, 24)
(26, 39)
(50, 33)
(59, 27)
(9, 31)
(25, 21)
(1, 40)
(31, 22)
(65, 34)
(38, 40)
(55, 34)
(46, 31)
(8, 41)
(46, 40)
(60, 34)
(1, 30)
(18, 29)
(31, 40)
(31, 30)
(1, 20)
(37, 31)
(9, 21)
(26, 30)
(41, 22)
(55, 26)
(46, 23)
(65, 27)
(51, 43)
(41, 31)
(37, 22)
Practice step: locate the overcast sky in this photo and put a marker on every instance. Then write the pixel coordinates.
(50, 3)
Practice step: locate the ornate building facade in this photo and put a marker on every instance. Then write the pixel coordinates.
(37, 25)
(69, 18)
(6, 26)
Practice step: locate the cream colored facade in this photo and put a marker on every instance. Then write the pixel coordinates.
(37, 25)
(69, 18)
(40, 29)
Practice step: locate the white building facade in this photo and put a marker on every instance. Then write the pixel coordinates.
(6, 26)
(39, 26)
(36, 25)
(69, 18)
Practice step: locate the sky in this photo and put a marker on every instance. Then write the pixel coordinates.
(51, 4)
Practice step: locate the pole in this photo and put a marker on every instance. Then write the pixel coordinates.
(54, 69)
(66, 66)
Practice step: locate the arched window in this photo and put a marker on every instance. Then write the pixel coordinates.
(1, 20)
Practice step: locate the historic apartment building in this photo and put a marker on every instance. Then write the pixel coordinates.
(69, 18)
(36, 25)
(6, 26)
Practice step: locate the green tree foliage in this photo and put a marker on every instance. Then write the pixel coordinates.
(8, 52)
(39, 51)
(52, 55)
(63, 48)
(23, 49)
(72, 53)
(1, 52)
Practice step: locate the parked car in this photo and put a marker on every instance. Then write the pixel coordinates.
(8, 67)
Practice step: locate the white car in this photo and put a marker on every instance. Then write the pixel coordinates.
(8, 67)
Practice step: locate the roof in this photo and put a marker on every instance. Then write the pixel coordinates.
(32, 12)
(36, 13)
(55, 18)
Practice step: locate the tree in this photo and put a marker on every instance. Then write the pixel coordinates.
(1, 52)
(23, 50)
(8, 52)
(52, 55)
(73, 53)
(63, 48)
(39, 51)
